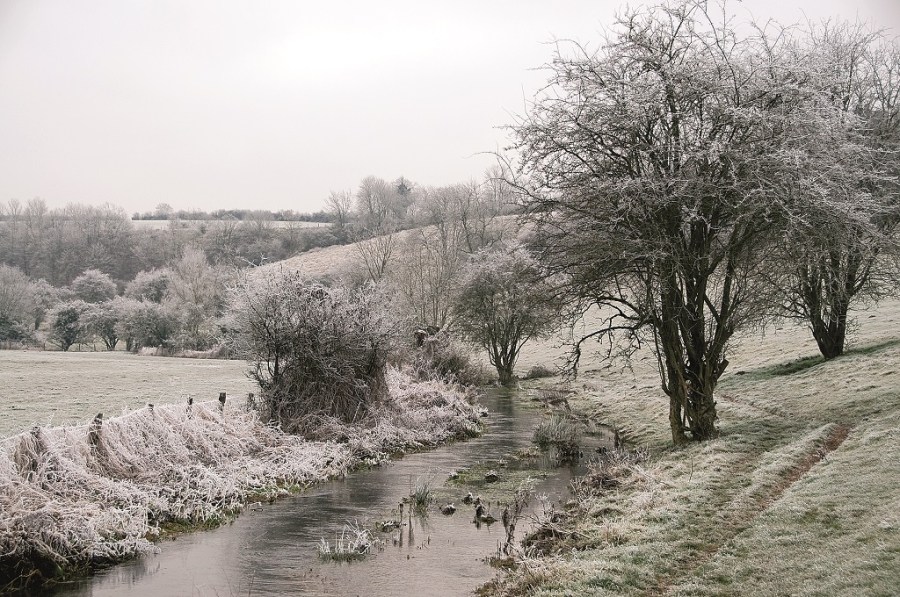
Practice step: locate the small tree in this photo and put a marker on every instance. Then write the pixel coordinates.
(375, 255)
(313, 350)
(93, 286)
(149, 285)
(68, 324)
(102, 321)
(504, 301)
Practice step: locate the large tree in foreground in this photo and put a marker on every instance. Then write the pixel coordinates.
(658, 170)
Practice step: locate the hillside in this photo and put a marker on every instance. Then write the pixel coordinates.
(799, 495)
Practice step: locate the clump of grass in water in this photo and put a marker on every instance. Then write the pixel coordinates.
(355, 543)
(558, 431)
(421, 495)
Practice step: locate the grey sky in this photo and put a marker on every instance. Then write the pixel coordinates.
(219, 103)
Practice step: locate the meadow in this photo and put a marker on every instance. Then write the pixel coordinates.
(60, 388)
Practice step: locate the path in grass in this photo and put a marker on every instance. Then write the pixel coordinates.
(798, 496)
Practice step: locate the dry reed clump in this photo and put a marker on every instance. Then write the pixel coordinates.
(76, 497)
(354, 543)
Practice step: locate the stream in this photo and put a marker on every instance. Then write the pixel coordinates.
(272, 549)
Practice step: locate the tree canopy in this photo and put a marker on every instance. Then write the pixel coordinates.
(659, 171)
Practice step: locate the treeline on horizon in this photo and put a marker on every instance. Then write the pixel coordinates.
(57, 245)
(164, 211)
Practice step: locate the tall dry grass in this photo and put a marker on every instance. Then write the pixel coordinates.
(80, 496)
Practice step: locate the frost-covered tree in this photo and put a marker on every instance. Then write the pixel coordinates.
(196, 291)
(149, 285)
(843, 253)
(504, 300)
(16, 299)
(146, 324)
(94, 286)
(659, 171)
(68, 324)
(101, 321)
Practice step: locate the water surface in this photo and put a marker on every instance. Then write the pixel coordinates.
(271, 549)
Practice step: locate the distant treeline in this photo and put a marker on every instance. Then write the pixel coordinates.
(59, 244)
(165, 212)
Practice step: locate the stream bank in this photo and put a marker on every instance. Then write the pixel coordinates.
(272, 549)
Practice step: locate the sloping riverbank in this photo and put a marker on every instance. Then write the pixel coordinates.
(798, 496)
(74, 498)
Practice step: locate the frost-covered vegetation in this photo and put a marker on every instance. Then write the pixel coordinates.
(354, 543)
(76, 497)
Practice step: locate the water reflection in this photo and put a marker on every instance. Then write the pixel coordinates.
(271, 550)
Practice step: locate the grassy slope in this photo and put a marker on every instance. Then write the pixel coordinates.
(781, 504)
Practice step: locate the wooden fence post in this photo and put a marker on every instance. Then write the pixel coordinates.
(94, 431)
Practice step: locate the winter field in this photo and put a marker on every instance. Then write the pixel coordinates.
(59, 388)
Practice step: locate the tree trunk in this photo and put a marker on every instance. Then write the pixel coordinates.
(830, 337)
(505, 372)
(692, 410)
(703, 414)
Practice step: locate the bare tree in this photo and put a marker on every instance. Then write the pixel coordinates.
(659, 171)
(375, 255)
(340, 205)
(374, 206)
(504, 301)
(838, 258)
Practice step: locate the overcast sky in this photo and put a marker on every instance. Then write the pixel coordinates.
(224, 103)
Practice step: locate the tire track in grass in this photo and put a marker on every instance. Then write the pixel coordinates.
(743, 519)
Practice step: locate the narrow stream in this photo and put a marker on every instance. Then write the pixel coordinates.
(272, 550)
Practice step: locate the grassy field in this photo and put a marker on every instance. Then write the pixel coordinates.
(56, 388)
(799, 496)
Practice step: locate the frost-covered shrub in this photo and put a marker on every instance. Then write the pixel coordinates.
(539, 371)
(145, 324)
(68, 324)
(313, 350)
(439, 356)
